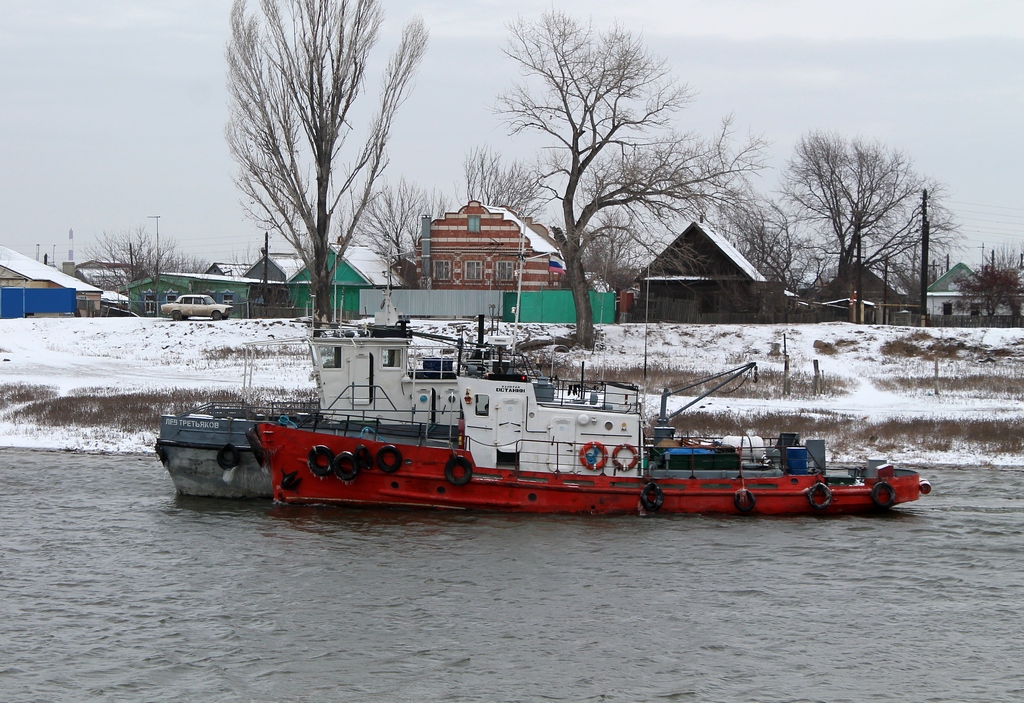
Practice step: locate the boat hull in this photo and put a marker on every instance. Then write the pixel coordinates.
(211, 457)
(420, 481)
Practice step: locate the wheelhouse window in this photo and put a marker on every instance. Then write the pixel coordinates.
(442, 270)
(483, 404)
(473, 223)
(330, 357)
(391, 358)
(474, 270)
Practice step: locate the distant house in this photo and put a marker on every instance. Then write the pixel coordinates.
(360, 268)
(33, 288)
(478, 248)
(704, 269)
(944, 294)
(276, 267)
(107, 275)
(223, 268)
(147, 294)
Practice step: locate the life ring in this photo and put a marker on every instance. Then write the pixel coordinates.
(744, 500)
(877, 489)
(826, 496)
(650, 504)
(601, 452)
(389, 459)
(632, 463)
(363, 457)
(313, 461)
(467, 470)
(345, 466)
(228, 457)
(255, 444)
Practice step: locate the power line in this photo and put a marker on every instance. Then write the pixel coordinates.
(997, 207)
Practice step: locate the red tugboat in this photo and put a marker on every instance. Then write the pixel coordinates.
(517, 442)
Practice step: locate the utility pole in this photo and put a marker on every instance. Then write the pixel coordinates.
(156, 274)
(266, 259)
(924, 259)
(859, 311)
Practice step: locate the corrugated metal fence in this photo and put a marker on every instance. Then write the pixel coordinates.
(434, 303)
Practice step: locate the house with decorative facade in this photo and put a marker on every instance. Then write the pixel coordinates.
(479, 247)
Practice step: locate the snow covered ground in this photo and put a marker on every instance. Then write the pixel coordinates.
(127, 354)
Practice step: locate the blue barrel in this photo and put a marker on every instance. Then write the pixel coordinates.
(796, 460)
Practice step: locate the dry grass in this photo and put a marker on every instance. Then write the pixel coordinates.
(19, 393)
(769, 381)
(858, 436)
(129, 412)
(966, 386)
(260, 352)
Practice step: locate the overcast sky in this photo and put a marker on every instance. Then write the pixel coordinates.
(112, 111)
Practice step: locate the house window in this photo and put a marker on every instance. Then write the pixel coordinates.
(474, 223)
(947, 308)
(474, 270)
(228, 298)
(171, 296)
(442, 270)
(506, 270)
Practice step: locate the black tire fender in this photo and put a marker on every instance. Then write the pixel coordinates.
(649, 503)
(345, 466)
(319, 460)
(819, 489)
(363, 457)
(464, 464)
(228, 457)
(744, 500)
(395, 463)
(876, 491)
(256, 445)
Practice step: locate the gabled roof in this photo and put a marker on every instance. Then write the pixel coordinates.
(33, 270)
(946, 283)
(536, 235)
(368, 264)
(731, 252)
(226, 268)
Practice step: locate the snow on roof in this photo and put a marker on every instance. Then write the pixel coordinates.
(290, 263)
(37, 271)
(235, 269)
(368, 264)
(538, 242)
(213, 277)
(732, 252)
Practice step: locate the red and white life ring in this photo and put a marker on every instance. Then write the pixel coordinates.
(619, 466)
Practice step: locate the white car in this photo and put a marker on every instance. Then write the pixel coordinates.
(188, 306)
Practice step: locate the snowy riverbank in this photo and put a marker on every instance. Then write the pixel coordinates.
(880, 373)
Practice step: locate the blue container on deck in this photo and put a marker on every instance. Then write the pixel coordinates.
(796, 460)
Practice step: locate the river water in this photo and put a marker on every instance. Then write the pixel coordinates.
(112, 588)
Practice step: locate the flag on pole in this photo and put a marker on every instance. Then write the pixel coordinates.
(555, 264)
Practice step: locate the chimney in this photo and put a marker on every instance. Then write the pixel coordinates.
(425, 270)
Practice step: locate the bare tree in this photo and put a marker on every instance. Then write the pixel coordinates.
(391, 225)
(134, 255)
(771, 240)
(295, 70)
(863, 200)
(493, 182)
(994, 287)
(607, 106)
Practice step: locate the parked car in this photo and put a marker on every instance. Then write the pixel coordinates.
(188, 306)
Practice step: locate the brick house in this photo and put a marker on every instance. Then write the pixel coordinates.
(477, 248)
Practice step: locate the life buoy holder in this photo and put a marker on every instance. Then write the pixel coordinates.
(619, 466)
(319, 460)
(256, 445)
(876, 495)
(228, 457)
(652, 497)
(345, 466)
(389, 459)
(819, 496)
(602, 455)
(744, 500)
(363, 457)
(460, 479)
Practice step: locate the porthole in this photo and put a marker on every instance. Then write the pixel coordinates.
(440, 489)
(532, 497)
(394, 484)
(608, 426)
